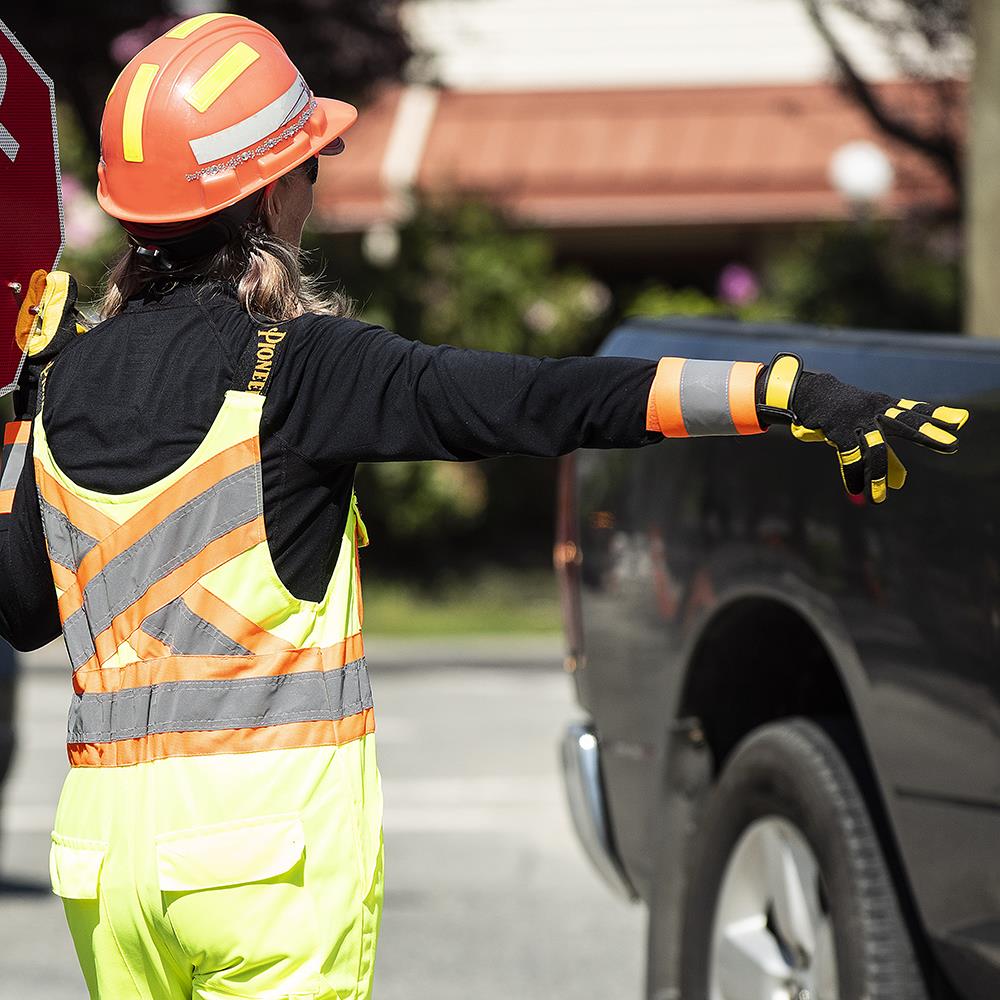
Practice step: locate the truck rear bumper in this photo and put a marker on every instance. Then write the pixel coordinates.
(581, 759)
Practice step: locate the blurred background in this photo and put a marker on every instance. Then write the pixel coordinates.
(525, 174)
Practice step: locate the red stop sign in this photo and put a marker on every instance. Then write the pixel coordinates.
(31, 216)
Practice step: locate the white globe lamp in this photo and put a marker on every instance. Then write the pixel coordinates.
(861, 172)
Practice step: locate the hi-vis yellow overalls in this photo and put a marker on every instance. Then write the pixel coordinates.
(219, 833)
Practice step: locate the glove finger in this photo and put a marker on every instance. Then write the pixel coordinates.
(807, 434)
(914, 426)
(948, 417)
(897, 471)
(875, 459)
(852, 469)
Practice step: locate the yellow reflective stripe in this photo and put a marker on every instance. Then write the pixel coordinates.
(874, 439)
(878, 490)
(850, 457)
(937, 434)
(135, 108)
(779, 382)
(908, 404)
(952, 415)
(893, 411)
(221, 75)
(192, 24)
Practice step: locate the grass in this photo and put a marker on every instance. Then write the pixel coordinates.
(494, 602)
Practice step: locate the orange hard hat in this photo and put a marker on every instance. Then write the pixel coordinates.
(208, 113)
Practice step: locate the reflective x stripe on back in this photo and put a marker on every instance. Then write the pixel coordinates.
(182, 639)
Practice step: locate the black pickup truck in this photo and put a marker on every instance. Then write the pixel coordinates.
(792, 755)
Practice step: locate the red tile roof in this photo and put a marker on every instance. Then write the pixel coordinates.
(618, 157)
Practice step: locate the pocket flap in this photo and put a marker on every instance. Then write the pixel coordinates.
(248, 851)
(75, 867)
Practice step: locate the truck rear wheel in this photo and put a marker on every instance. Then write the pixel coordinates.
(789, 894)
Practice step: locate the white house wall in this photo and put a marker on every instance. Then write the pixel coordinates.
(531, 44)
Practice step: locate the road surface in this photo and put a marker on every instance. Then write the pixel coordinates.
(487, 892)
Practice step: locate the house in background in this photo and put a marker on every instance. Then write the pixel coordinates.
(646, 136)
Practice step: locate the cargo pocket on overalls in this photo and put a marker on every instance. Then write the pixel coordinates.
(75, 866)
(234, 896)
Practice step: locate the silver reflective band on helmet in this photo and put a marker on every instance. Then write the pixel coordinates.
(252, 130)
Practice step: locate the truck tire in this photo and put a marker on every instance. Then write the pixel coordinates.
(789, 892)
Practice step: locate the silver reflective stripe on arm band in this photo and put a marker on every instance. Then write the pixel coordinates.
(704, 393)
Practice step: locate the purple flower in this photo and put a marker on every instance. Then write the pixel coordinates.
(738, 285)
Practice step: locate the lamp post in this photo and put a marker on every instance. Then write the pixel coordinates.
(863, 174)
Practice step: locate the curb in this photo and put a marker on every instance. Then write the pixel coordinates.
(386, 652)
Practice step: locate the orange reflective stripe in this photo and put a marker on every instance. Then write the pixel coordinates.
(663, 409)
(124, 753)
(231, 623)
(148, 646)
(63, 578)
(174, 584)
(17, 432)
(743, 397)
(80, 513)
(197, 481)
(93, 679)
(6, 501)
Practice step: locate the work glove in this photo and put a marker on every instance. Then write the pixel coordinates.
(819, 407)
(47, 322)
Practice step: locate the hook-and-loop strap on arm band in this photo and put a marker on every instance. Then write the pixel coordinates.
(697, 398)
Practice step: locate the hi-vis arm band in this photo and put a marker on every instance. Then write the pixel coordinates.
(15, 448)
(697, 398)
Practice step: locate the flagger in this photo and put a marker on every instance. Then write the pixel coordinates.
(183, 474)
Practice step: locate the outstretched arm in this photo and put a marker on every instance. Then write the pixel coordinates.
(356, 393)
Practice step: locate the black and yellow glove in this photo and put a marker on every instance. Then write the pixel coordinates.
(820, 407)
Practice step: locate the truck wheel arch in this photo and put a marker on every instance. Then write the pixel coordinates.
(755, 659)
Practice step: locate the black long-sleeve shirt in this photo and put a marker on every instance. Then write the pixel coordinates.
(129, 401)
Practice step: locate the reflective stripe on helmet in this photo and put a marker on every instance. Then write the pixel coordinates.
(253, 129)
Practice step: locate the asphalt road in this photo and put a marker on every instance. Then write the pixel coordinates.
(488, 894)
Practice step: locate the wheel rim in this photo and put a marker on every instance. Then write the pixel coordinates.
(772, 937)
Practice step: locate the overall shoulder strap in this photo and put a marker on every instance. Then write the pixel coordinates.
(254, 368)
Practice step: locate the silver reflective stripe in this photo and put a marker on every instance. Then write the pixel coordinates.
(13, 465)
(78, 638)
(705, 397)
(67, 543)
(179, 537)
(200, 706)
(251, 130)
(188, 634)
